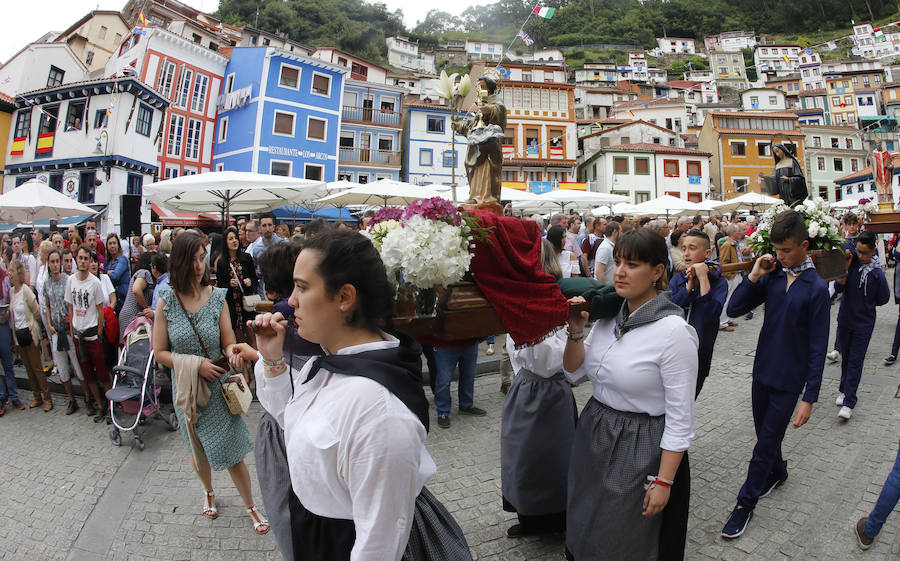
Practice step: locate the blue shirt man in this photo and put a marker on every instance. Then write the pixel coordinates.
(790, 354)
(701, 291)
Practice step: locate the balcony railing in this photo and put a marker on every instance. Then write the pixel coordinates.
(372, 115)
(370, 156)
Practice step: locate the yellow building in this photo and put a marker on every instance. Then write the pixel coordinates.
(7, 108)
(95, 37)
(741, 148)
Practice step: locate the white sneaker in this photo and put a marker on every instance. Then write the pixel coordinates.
(845, 413)
(834, 356)
(840, 400)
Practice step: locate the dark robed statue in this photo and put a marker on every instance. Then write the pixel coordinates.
(788, 180)
(484, 157)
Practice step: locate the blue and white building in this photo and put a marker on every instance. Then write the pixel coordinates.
(428, 156)
(95, 141)
(370, 143)
(279, 113)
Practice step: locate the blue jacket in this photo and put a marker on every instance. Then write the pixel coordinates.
(791, 349)
(120, 274)
(857, 310)
(703, 312)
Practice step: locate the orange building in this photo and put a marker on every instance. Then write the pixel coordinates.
(841, 100)
(741, 148)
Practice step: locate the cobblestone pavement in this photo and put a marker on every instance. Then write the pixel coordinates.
(67, 493)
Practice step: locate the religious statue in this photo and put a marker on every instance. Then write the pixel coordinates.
(788, 180)
(485, 132)
(882, 172)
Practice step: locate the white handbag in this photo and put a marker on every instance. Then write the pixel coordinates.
(237, 396)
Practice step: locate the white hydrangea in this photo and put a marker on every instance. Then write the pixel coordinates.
(813, 229)
(427, 253)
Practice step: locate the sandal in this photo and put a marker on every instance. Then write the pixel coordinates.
(210, 511)
(258, 524)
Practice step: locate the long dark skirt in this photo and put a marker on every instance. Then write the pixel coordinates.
(274, 481)
(434, 536)
(536, 437)
(613, 453)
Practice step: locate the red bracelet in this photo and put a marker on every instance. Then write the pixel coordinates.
(662, 482)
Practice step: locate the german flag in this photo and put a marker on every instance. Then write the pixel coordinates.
(18, 146)
(45, 143)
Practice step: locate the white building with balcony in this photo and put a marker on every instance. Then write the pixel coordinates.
(763, 99)
(782, 59)
(675, 46)
(370, 143)
(404, 53)
(484, 50)
(95, 141)
(41, 65)
(430, 153)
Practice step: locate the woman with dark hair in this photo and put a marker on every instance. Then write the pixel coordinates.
(276, 265)
(355, 420)
(117, 269)
(23, 315)
(675, 252)
(236, 273)
(140, 293)
(216, 249)
(556, 235)
(537, 430)
(628, 458)
(193, 317)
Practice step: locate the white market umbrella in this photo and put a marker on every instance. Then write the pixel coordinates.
(747, 201)
(615, 209)
(851, 202)
(462, 193)
(667, 204)
(385, 192)
(569, 197)
(235, 192)
(35, 200)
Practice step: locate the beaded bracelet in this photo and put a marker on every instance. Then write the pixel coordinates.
(272, 363)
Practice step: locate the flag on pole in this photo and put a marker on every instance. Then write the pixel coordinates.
(631, 113)
(510, 55)
(504, 72)
(832, 45)
(808, 51)
(786, 59)
(543, 12)
(879, 34)
(142, 18)
(525, 38)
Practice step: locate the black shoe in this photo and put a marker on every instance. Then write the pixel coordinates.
(515, 531)
(18, 362)
(100, 418)
(73, 407)
(774, 483)
(737, 522)
(18, 404)
(444, 421)
(749, 315)
(473, 411)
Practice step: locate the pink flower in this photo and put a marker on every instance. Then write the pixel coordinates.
(434, 208)
(385, 214)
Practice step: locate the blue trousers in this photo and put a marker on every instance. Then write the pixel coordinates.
(854, 343)
(446, 361)
(886, 502)
(9, 390)
(772, 410)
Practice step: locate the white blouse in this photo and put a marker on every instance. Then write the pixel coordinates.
(354, 451)
(544, 359)
(566, 264)
(652, 369)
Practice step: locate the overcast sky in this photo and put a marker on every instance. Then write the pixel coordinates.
(25, 20)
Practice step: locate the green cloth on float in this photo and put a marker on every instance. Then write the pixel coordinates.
(605, 303)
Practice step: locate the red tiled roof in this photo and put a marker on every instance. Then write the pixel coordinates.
(817, 91)
(831, 127)
(767, 114)
(864, 172)
(5, 98)
(433, 105)
(639, 103)
(628, 124)
(657, 148)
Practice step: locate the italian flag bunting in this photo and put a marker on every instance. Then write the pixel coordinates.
(543, 12)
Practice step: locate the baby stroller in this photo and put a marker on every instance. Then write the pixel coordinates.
(135, 394)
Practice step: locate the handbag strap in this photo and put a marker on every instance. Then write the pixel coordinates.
(194, 327)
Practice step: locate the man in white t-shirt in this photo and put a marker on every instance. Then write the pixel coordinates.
(85, 299)
(603, 260)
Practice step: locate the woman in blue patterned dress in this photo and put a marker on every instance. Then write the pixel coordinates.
(224, 436)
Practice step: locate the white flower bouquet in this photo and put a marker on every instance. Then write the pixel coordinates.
(823, 233)
(867, 207)
(426, 244)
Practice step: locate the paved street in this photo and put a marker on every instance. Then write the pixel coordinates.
(69, 494)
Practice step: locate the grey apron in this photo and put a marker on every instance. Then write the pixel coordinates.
(613, 453)
(536, 436)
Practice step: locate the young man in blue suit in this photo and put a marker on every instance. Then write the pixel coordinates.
(865, 287)
(701, 291)
(790, 355)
